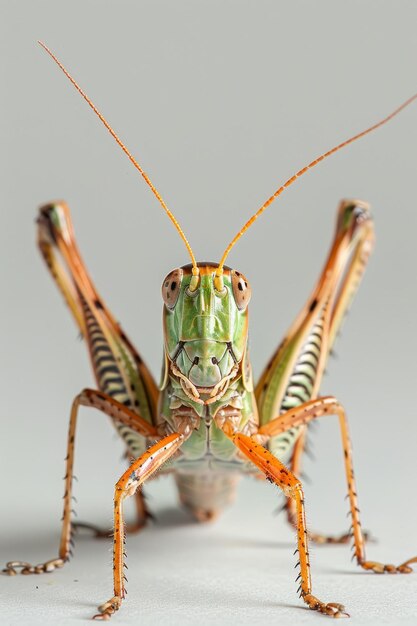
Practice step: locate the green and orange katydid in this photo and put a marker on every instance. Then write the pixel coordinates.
(207, 422)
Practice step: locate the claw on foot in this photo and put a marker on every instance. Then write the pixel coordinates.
(108, 608)
(381, 568)
(333, 609)
(26, 568)
(405, 568)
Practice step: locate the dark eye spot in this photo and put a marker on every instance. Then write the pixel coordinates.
(196, 360)
(171, 288)
(214, 360)
(241, 290)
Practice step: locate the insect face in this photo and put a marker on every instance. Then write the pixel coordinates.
(205, 329)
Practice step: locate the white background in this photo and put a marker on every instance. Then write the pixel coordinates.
(220, 102)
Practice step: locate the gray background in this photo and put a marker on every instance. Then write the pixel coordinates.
(221, 102)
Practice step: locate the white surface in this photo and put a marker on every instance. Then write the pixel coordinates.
(239, 570)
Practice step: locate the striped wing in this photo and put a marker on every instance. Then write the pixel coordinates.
(119, 370)
(294, 374)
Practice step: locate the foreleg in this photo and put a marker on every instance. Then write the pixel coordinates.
(277, 473)
(126, 486)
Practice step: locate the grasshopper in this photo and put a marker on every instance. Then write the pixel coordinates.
(207, 422)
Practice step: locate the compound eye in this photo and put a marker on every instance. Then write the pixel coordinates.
(171, 288)
(241, 290)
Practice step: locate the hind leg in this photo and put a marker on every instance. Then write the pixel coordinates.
(294, 374)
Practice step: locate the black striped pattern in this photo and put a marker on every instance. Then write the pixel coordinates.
(300, 387)
(110, 380)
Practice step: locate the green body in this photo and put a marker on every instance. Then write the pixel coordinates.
(206, 376)
(206, 340)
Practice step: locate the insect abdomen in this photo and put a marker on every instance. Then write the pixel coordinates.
(300, 388)
(205, 494)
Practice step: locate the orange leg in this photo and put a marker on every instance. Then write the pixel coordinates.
(120, 413)
(134, 477)
(330, 406)
(277, 473)
(314, 537)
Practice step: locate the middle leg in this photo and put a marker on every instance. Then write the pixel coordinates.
(302, 415)
(121, 414)
(317, 538)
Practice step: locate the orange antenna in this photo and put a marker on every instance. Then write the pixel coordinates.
(132, 159)
(293, 178)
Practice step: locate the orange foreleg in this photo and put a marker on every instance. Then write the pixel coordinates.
(277, 473)
(126, 486)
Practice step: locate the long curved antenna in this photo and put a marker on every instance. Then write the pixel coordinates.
(293, 178)
(131, 157)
